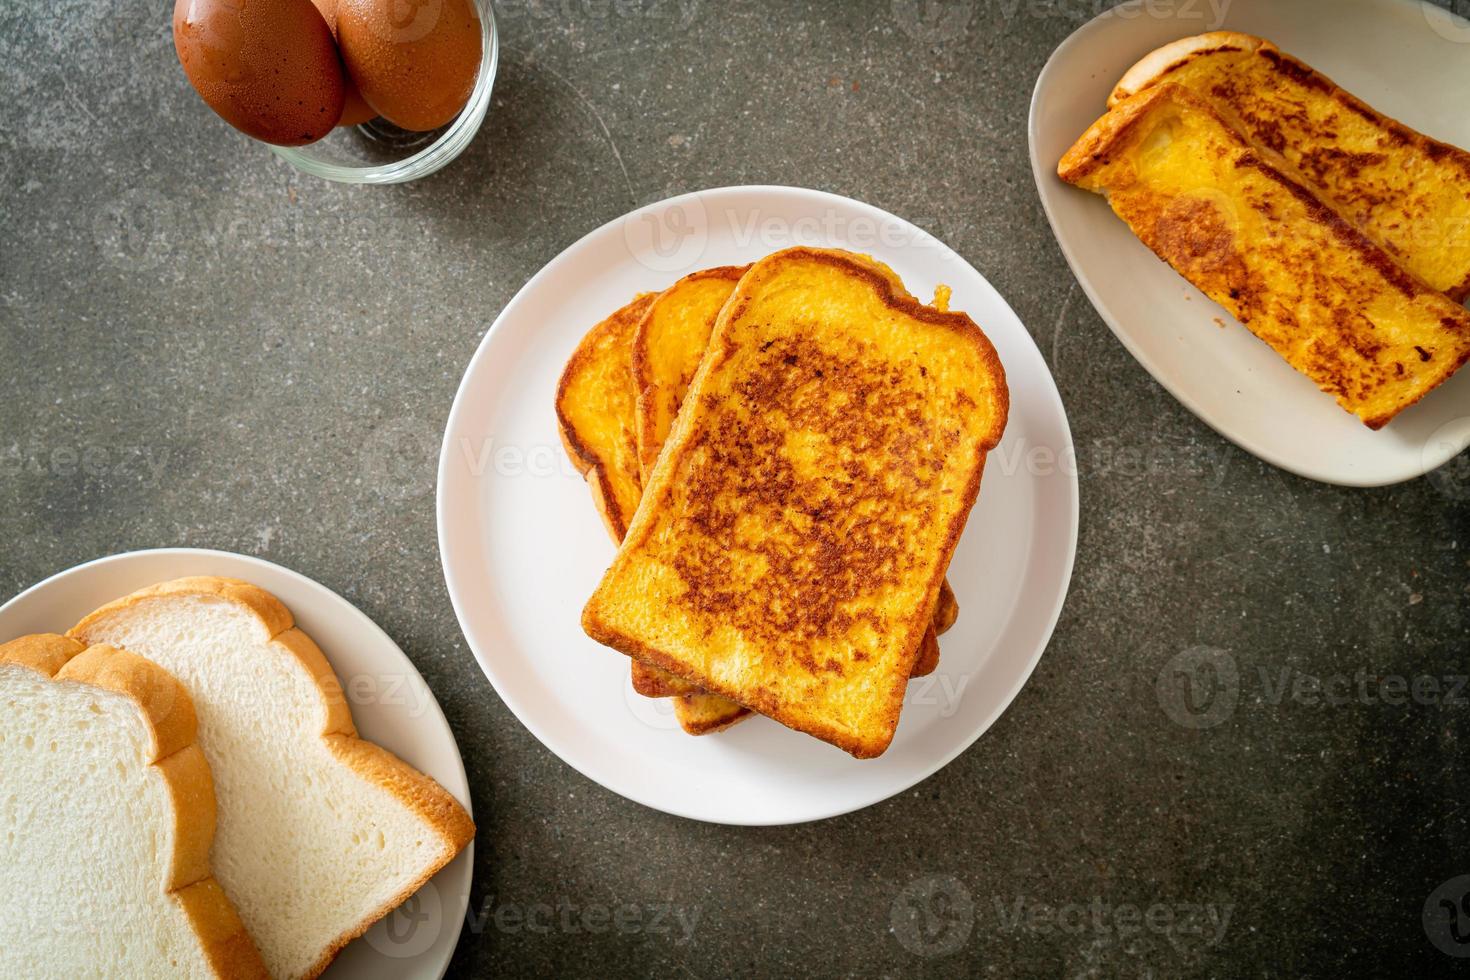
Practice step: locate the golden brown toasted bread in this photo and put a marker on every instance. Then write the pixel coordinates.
(592, 415)
(1239, 223)
(796, 528)
(1404, 190)
(596, 417)
(595, 414)
(667, 348)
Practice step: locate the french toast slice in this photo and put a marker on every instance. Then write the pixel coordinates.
(795, 530)
(592, 414)
(1401, 188)
(703, 714)
(595, 415)
(667, 347)
(1238, 222)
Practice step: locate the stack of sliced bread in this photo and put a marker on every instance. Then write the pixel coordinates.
(785, 453)
(186, 794)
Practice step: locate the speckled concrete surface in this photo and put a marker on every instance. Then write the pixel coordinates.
(202, 347)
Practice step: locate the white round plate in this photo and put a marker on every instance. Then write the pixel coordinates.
(391, 706)
(1407, 59)
(523, 547)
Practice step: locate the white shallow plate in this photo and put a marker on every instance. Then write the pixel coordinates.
(1409, 60)
(391, 705)
(523, 547)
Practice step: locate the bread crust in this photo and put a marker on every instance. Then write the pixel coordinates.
(706, 714)
(1114, 134)
(168, 714)
(1156, 67)
(656, 406)
(445, 817)
(597, 470)
(1167, 58)
(650, 394)
(894, 297)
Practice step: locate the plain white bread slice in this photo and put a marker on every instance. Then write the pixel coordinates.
(320, 833)
(106, 816)
(1160, 61)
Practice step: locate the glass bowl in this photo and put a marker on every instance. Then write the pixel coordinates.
(377, 152)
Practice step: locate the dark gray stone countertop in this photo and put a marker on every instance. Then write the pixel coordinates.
(228, 335)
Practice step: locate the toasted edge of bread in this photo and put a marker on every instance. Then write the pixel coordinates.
(168, 712)
(947, 610)
(1113, 131)
(1152, 67)
(654, 400)
(1155, 67)
(440, 812)
(892, 295)
(598, 471)
(705, 714)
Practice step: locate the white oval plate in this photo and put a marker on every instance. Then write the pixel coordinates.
(391, 706)
(1409, 60)
(523, 547)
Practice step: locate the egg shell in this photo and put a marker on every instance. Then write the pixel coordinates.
(414, 62)
(355, 109)
(268, 67)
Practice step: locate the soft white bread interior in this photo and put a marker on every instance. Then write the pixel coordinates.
(320, 833)
(106, 818)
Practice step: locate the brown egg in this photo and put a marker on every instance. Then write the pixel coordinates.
(268, 67)
(355, 109)
(414, 61)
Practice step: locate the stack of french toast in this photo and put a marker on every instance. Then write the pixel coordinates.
(1337, 235)
(786, 453)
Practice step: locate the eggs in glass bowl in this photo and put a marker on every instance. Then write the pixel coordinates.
(366, 91)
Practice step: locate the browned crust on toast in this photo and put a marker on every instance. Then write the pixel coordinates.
(644, 382)
(442, 814)
(1156, 67)
(706, 714)
(1112, 133)
(593, 467)
(920, 620)
(947, 610)
(654, 683)
(168, 713)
